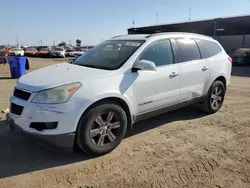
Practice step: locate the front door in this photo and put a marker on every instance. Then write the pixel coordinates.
(161, 88)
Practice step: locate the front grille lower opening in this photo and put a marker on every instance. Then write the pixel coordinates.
(40, 126)
(21, 94)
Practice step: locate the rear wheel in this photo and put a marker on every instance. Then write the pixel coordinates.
(214, 98)
(101, 129)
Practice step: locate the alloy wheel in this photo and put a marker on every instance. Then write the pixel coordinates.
(105, 129)
(216, 97)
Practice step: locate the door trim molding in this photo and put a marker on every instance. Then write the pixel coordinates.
(165, 109)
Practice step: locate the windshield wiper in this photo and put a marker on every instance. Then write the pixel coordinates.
(92, 66)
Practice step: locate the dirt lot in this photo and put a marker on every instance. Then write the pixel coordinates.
(184, 148)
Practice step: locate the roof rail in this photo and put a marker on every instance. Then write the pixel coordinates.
(118, 36)
(187, 33)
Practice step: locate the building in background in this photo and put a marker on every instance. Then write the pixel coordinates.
(231, 32)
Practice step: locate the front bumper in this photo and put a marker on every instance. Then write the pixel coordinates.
(62, 142)
(57, 55)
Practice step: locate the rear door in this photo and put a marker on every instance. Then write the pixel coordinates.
(194, 71)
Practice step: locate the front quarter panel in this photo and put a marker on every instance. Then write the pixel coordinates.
(119, 86)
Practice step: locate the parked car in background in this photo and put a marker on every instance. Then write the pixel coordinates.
(241, 57)
(70, 52)
(75, 52)
(94, 100)
(31, 52)
(16, 51)
(44, 52)
(3, 54)
(58, 52)
(41, 47)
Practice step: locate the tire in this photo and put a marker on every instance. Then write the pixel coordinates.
(99, 142)
(209, 105)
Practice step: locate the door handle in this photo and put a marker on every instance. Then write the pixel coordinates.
(204, 68)
(173, 74)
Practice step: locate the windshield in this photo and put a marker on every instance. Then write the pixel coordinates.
(44, 49)
(58, 49)
(109, 55)
(242, 51)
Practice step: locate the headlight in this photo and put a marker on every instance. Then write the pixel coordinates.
(60, 94)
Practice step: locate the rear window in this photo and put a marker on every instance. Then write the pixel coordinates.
(208, 48)
(187, 50)
(242, 51)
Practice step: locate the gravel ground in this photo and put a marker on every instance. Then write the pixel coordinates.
(183, 148)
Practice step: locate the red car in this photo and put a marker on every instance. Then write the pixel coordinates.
(3, 54)
(31, 52)
(44, 52)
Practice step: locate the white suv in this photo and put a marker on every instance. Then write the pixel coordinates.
(92, 101)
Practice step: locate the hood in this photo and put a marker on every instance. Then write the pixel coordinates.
(16, 51)
(57, 75)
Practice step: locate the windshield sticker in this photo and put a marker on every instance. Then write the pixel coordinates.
(132, 44)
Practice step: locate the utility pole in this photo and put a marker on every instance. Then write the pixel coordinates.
(17, 40)
(190, 11)
(53, 42)
(41, 42)
(109, 34)
(156, 18)
(133, 23)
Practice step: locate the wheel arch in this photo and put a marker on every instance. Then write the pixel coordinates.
(122, 103)
(222, 79)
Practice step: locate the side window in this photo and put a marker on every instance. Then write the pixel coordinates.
(208, 48)
(187, 50)
(159, 52)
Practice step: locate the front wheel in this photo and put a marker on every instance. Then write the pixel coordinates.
(214, 98)
(101, 129)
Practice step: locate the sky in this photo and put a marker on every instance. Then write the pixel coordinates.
(54, 21)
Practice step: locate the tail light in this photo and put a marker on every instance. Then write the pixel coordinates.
(230, 59)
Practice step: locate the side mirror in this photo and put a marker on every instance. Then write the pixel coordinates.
(144, 65)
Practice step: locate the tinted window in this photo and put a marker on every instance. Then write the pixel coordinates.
(208, 48)
(159, 52)
(187, 50)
